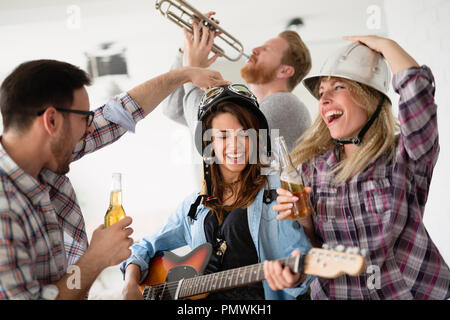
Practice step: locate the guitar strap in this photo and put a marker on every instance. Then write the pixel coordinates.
(269, 196)
(220, 246)
(192, 214)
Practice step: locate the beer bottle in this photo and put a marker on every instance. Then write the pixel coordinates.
(115, 211)
(291, 180)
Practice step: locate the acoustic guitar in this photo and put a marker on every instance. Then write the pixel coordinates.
(172, 277)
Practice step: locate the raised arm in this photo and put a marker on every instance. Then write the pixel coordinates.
(172, 106)
(150, 93)
(194, 53)
(120, 115)
(417, 109)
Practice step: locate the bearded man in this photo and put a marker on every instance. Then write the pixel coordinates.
(273, 71)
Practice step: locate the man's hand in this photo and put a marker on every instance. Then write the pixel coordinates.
(204, 78)
(110, 246)
(197, 46)
(280, 278)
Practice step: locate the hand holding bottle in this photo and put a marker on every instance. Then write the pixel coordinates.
(285, 202)
(110, 246)
(291, 181)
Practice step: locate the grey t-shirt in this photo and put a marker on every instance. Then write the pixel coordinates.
(283, 110)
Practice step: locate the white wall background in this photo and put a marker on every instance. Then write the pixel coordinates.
(157, 162)
(423, 29)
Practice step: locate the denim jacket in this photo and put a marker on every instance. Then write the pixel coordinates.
(273, 239)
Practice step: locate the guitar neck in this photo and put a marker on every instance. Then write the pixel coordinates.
(230, 278)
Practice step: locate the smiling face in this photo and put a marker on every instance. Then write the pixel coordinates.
(339, 109)
(263, 65)
(231, 145)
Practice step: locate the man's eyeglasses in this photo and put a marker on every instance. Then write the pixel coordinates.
(89, 114)
(212, 94)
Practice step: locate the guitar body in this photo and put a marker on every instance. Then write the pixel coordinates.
(167, 267)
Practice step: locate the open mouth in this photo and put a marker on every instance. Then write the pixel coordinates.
(333, 115)
(236, 158)
(252, 59)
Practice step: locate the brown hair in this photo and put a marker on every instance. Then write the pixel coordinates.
(251, 179)
(297, 55)
(35, 85)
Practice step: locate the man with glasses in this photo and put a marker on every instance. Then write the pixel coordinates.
(273, 71)
(47, 124)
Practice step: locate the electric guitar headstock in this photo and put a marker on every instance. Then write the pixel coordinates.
(332, 263)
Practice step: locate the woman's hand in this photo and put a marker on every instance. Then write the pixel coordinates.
(284, 207)
(375, 43)
(279, 277)
(131, 292)
(397, 58)
(131, 288)
(286, 202)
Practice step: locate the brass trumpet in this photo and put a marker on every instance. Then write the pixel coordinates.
(183, 14)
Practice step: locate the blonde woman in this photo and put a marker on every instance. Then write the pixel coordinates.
(370, 174)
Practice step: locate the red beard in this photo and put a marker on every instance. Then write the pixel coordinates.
(257, 74)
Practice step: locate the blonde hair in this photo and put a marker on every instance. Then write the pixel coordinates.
(379, 140)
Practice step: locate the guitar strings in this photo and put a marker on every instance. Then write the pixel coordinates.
(170, 286)
(174, 284)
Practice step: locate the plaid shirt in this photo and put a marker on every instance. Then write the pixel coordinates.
(381, 208)
(42, 229)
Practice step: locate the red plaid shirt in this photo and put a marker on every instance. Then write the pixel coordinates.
(42, 228)
(381, 208)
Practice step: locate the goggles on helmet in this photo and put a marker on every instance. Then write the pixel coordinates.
(215, 93)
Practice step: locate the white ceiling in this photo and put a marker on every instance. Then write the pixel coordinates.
(251, 19)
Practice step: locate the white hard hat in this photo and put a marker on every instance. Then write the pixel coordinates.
(354, 62)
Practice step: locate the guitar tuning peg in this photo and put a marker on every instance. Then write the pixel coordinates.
(352, 250)
(326, 246)
(363, 252)
(339, 248)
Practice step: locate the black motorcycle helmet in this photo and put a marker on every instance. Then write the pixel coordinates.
(239, 94)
